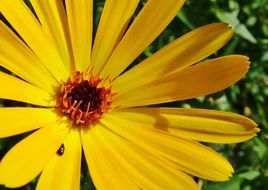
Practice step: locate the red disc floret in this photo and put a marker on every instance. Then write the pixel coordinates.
(84, 100)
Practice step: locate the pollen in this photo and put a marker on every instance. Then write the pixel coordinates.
(84, 99)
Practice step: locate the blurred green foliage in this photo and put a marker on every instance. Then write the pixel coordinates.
(248, 97)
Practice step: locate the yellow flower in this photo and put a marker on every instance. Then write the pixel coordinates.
(86, 101)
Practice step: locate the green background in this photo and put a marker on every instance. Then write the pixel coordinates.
(248, 97)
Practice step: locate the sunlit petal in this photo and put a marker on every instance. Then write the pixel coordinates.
(13, 88)
(53, 18)
(19, 120)
(145, 169)
(27, 158)
(199, 80)
(106, 171)
(114, 20)
(63, 171)
(178, 152)
(28, 27)
(25, 64)
(181, 53)
(196, 124)
(151, 21)
(80, 25)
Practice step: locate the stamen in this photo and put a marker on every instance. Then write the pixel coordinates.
(84, 100)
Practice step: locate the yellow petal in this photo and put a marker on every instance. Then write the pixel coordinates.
(19, 120)
(80, 25)
(52, 16)
(63, 171)
(147, 170)
(27, 158)
(181, 153)
(28, 27)
(13, 88)
(150, 22)
(181, 53)
(19, 59)
(105, 170)
(201, 125)
(114, 20)
(199, 80)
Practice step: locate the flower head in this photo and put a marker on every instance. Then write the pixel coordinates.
(85, 98)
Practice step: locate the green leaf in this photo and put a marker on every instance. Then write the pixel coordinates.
(185, 20)
(261, 148)
(250, 175)
(239, 29)
(233, 184)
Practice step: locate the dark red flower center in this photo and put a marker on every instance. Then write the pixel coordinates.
(88, 95)
(84, 100)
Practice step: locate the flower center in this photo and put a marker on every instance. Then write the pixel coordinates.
(83, 99)
(87, 96)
